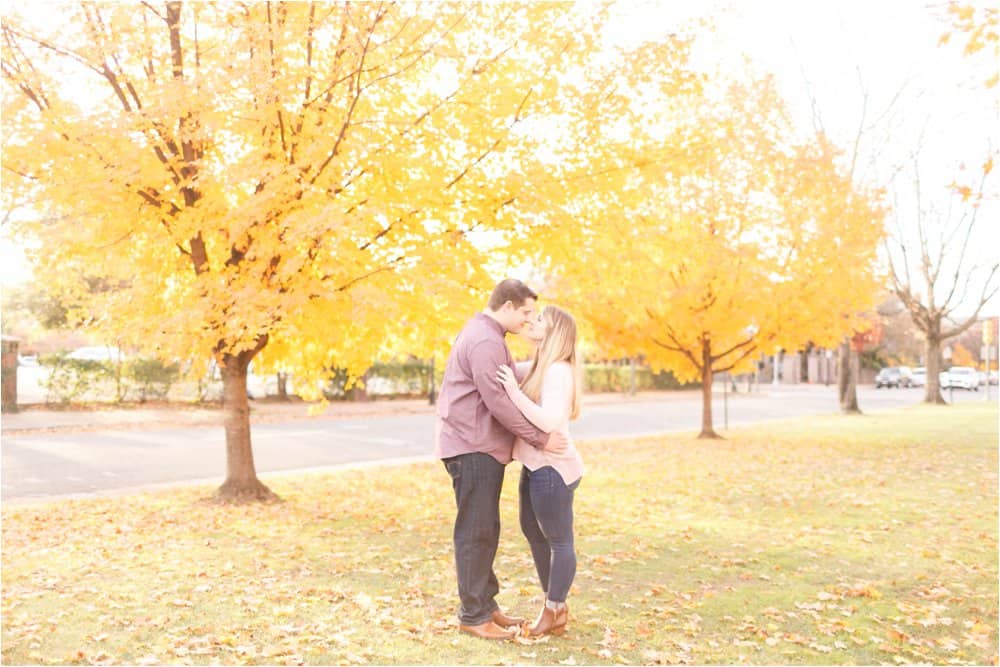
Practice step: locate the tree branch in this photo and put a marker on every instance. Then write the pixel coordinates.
(742, 344)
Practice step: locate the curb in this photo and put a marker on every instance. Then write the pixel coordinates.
(216, 481)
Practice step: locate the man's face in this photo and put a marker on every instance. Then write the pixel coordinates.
(516, 318)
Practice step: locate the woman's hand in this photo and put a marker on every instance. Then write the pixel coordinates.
(507, 378)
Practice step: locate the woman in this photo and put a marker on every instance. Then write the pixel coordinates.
(549, 397)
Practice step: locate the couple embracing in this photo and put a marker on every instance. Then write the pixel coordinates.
(490, 412)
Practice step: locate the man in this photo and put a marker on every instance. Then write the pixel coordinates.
(475, 431)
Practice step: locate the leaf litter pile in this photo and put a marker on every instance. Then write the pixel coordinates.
(833, 540)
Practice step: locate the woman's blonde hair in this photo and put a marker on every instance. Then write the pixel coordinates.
(559, 344)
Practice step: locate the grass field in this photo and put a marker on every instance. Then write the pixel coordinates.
(831, 540)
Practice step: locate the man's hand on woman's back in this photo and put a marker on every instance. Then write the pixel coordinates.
(557, 443)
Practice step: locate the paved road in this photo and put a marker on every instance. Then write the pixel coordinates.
(46, 465)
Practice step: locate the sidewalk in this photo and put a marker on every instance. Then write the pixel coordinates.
(33, 419)
(41, 418)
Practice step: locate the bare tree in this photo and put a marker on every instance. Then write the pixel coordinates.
(939, 278)
(868, 141)
(901, 341)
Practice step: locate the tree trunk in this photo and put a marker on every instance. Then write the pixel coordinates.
(283, 386)
(241, 485)
(932, 354)
(847, 378)
(706, 392)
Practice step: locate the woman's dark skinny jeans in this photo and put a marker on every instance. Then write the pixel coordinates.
(547, 522)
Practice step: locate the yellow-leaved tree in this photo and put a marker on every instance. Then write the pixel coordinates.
(978, 32)
(303, 176)
(720, 237)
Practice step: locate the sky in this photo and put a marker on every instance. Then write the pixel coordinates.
(926, 104)
(821, 49)
(818, 52)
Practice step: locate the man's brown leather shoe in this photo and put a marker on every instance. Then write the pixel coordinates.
(505, 621)
(488, 630)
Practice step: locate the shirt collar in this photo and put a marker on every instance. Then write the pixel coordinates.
(496, 326)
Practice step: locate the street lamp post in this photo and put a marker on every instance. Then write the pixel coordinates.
(432, 394)
(988, 338)
(725, 400)
(946, 354)
(986, 392)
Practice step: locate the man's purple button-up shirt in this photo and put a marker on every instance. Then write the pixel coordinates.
(474, 412)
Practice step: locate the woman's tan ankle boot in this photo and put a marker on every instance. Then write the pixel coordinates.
(550, 622)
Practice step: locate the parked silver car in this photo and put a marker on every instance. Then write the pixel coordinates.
(893, 376)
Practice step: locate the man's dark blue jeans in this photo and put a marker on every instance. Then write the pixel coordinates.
(477, 480)
(547, 522)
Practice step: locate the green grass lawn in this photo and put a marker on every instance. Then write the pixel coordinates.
(830, 540)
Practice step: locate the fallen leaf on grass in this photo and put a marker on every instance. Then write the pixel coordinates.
(897, 635)
(610, 638)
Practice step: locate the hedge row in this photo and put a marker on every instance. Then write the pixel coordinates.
(145, 378)
(413, 378)
(140, 378)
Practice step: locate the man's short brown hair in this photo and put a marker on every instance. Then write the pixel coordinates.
(512, 290)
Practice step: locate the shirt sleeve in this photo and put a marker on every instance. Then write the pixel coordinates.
(556, 399)
(485, 359)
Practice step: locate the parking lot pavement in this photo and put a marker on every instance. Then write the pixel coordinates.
(41, 418)
(50, 453)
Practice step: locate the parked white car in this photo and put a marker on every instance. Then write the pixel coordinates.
(918, 377)
(27, 360)
(97, 353)
(960, 377)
